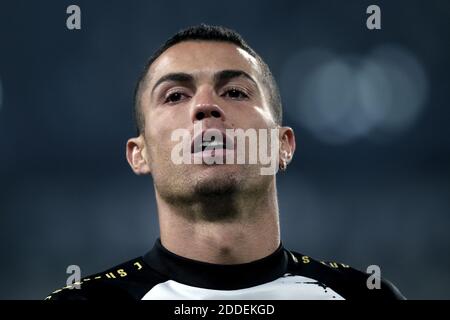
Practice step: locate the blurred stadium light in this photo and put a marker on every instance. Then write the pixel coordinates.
(342, 98)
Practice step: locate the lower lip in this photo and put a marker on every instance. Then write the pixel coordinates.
(217, 154)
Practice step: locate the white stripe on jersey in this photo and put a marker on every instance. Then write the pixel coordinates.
(288, 287)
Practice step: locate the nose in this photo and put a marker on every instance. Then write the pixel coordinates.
(207, 110)
(205, 107)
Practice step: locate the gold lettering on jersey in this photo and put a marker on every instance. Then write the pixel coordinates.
(138, 265)
(305, 259)
(334, 265)
(122, 273)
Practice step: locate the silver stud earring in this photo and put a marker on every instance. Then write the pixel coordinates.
(283, 165)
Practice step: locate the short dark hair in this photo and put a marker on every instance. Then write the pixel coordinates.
(209, 33)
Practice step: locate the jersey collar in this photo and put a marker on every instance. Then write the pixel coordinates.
(217, 276)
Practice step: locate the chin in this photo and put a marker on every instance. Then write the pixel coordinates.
(217, 180)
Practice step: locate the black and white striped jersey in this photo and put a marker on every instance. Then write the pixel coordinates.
(283, 275)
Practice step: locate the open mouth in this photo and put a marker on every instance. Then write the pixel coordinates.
(215, 140)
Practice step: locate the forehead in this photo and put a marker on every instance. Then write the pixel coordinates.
(204, 57)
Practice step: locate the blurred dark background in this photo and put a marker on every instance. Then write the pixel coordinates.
(370, 181)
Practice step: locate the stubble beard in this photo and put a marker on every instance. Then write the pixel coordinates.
(208, 196)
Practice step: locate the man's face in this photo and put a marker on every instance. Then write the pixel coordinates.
(217, 84)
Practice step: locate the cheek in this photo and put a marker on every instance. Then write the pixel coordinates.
(253, 117)
(162, 126)
(265, 116)
(159, 148)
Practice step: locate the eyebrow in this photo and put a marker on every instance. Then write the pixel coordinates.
(174, 77)
(219, 77)
(227, 75)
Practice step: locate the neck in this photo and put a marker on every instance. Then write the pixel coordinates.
(253, 232)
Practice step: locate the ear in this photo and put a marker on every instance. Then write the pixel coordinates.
(136, 156)
(287, 144)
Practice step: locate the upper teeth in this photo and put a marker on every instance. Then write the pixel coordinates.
(212, 144)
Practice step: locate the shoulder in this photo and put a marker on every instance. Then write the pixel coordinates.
(129, 280)
(349, 282)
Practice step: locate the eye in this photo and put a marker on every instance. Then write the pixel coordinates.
(236, 94)
(175, 97)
